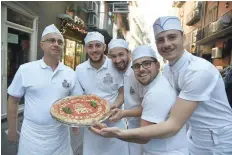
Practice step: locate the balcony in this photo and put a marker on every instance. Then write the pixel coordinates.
(193, 17)
(221, 28)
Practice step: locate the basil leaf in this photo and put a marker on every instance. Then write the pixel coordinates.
(93, 103)
(67, 110)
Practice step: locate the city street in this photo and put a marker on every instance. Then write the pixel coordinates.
(9, 149)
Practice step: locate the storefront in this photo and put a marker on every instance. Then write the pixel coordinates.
(19, 37)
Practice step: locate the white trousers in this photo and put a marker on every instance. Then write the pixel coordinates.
(44, 140)
(183, 151)
(210, 141)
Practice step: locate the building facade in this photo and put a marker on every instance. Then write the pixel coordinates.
(207, 29)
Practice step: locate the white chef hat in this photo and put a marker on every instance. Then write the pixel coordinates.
(117, 43)
(167, 23)
(143, 51)
(94, 36)
(51, 29)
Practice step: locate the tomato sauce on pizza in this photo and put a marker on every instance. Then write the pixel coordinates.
(81, 110)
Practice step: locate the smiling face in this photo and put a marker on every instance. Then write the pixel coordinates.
(95, 51)
(52, 46)
(120, 58)
(170, 45)
(146, 69)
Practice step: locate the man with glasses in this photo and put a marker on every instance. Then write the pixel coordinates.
(158, 99)
(121, 58)
(41, 82)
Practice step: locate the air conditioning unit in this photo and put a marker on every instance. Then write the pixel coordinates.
(120, 7)
(216, 52)
(91, 7)
(92, 20)
(214, 27)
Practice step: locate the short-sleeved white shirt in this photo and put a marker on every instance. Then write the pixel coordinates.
(131, 95)
(103, 82)
(41, 87)
(196, 79)
(159, 97)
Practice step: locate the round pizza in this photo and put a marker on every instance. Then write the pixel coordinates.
(81, 110)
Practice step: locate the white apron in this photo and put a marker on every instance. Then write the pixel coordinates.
(210, 141)
(44, 140)
(134, 149)
(183, 151)
(97, 145)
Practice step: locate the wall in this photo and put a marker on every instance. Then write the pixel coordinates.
(209, 5)
(222, 9)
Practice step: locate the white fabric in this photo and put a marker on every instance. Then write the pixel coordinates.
(156, 107)
(105, 83)
(94, 36)
(143, 51)
(41, 87)
(183, 151)
(117, 43)
(46, 140)
(210, 142)
(51, 29)
(196, 79)
(166, 23)
(132, 100)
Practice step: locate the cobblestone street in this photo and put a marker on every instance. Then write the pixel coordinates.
(9, 149)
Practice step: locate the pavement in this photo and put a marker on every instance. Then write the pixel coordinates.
(10, 149)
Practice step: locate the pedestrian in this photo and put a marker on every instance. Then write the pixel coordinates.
(201, 100)
(121, 58)
(98, 76)
(41, 82)
(158, 99)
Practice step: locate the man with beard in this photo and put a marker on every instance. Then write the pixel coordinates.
(201, 100)
(158, 99)
(98, 76)
(121, 58)
(41, 82)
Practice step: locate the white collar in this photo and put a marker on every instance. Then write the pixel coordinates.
(180, 62)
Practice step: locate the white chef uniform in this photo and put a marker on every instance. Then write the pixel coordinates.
(158, 99)
(41, 87)
(105, 83)
(211, 123)
(196, 79)
(131, 101)
(131, 96)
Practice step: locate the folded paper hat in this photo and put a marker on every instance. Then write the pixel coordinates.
(166, 23)
(51, 29)
(94, 36)
(143, 51)
(117, 43)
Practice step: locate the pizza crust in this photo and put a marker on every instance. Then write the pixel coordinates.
(82, 113)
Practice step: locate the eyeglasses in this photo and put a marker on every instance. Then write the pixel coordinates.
(146, 64)
(53, 41)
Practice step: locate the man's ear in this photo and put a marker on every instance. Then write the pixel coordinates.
(41, 45)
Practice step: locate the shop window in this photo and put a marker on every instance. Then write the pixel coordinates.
(18, 18)
(73, 53)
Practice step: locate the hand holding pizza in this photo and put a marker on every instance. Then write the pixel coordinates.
(102, 130)
(116, 115)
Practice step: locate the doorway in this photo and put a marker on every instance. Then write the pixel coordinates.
(18, 38)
